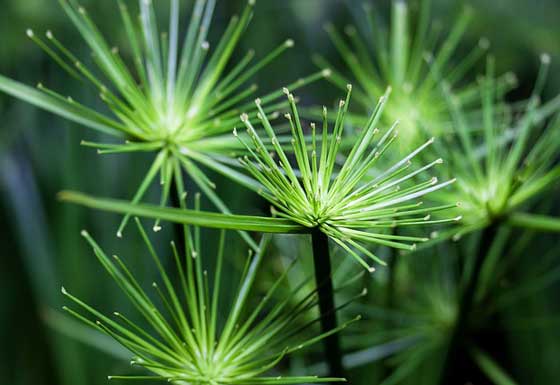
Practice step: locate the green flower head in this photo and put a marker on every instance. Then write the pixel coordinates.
(190, 339)
(355, 203)
(177, 99)
(503, 159)
(379, 57)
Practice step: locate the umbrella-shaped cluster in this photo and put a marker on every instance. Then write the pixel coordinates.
(188, 338)
(340, 201)
(177, 99)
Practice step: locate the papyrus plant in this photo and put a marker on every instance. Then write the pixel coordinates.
(504, 160)
(376, 57)
(177, 99)
(412, 330)
(341, 202)
(189, 339)
(337, 203)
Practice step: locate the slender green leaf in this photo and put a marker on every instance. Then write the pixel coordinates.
(188, 217)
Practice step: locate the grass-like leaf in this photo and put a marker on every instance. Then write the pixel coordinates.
(187, 217)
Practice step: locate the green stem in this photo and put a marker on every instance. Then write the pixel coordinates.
(455, 362)
(323, 280)
(178, 232)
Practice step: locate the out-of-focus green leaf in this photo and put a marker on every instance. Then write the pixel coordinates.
(69, 327)
(67, 109)
(535, 222)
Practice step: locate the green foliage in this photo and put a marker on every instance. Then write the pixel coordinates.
(337, 200)
(163, 86)
(396, 56)
(504, 160)
(191, 340)
(174, 101)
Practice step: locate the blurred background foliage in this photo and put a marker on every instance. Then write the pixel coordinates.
(42, 248)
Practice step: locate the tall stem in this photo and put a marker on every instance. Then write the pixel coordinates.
(178, 231)
(455, 363)
(323, 280)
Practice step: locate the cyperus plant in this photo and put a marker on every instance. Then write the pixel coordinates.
(376, 57)
(340, 186)
(176, 101)
(503, 161)
(189, 339)
(501, 166)
(339, 201)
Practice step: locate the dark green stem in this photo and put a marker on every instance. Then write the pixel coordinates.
(323, 280)
(455, 361)
(179, 234)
